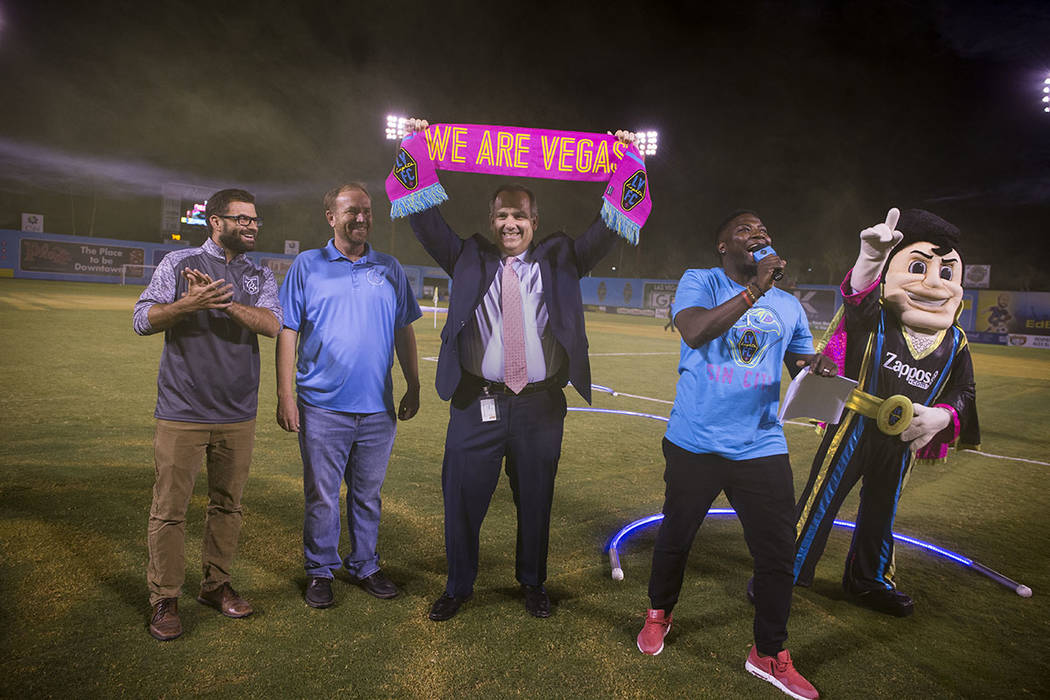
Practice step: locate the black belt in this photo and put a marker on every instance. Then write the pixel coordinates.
(501, 388)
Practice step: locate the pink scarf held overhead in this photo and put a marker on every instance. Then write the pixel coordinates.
(518, 152)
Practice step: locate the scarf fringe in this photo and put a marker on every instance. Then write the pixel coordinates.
(619, 222)
(415, 202)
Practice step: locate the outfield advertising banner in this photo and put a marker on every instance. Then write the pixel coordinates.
(627, 292)
(1021, 313)
(91, 258)
(819, 302)
(51, 256)
(659, 296)
(1019, 319)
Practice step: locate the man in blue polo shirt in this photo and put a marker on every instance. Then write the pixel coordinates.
(349, 308)
(737, 329)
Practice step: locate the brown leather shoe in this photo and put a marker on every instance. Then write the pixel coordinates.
(165, 624)
(225, 600)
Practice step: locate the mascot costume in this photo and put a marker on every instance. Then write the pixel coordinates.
(904, 340)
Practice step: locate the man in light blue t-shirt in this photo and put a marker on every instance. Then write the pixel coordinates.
(737, 330)
(349, 309)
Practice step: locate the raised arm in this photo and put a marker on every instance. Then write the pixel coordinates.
(875, 246)
(437, 238)
(598, 240)
(429, 227)
(595, 243)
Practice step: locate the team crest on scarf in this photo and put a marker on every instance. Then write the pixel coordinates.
(405, 169)
(751, 337)
(251, 285)
(633, 191)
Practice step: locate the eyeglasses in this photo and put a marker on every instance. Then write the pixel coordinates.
(243, 219)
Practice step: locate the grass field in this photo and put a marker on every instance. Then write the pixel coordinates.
(76, 475)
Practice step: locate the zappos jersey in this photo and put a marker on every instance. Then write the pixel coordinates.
(209, 368)
(895, 365)
(729, 388)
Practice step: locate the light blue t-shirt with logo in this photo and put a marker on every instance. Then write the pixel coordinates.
(346, 313)
(729, 389)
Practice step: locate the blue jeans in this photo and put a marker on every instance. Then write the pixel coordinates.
(354, 447)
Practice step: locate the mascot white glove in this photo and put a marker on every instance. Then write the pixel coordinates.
(875, 246)
(926, 423)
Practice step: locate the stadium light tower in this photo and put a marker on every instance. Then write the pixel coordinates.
(1046, 95)
(395, 127)
(646, 142)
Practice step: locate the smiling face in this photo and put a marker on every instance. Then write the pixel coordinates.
(351, 219)
(741, 237)
(925, 289)
(231, 235)
(512, 222)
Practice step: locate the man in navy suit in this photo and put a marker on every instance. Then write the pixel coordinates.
(493, 416)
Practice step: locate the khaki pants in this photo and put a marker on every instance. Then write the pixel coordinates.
(179, 451)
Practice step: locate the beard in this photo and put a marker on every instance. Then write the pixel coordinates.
(232, 240)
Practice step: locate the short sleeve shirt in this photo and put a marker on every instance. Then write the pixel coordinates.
(729, 388)
(346, 313)
(209, 369)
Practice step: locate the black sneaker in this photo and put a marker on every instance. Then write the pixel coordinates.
(319, 592)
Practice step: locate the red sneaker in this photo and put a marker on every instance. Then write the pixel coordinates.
(779, 671)
(651, 638)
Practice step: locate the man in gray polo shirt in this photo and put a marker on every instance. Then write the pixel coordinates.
(211, 302)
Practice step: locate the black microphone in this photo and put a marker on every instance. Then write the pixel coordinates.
(778, 274)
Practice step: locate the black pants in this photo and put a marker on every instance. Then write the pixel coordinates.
(851, 452)
(528, 434)
(762, 493)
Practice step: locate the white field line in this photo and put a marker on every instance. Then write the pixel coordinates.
(628, 354)
(806, 424)
(1015, 459)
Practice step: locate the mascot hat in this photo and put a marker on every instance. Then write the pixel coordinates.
(920, 225)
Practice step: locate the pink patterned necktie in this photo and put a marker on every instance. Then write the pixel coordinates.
(515, 374)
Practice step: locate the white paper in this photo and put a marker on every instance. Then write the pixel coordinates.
(813, 396)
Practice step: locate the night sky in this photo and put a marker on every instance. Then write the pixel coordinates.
(819, 115)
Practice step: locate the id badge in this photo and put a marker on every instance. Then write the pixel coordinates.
(489, 410)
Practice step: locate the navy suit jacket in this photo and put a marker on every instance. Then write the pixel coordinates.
(472, 264)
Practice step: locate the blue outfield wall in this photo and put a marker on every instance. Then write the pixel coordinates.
(49, 256)
(988, 316)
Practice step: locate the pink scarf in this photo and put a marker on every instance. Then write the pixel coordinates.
(516, 152)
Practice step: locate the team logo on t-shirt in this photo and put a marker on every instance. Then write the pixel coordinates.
(751, 337)
(251, 284)
(375, 276)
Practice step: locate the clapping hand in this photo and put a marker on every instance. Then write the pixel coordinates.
(204, 293)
